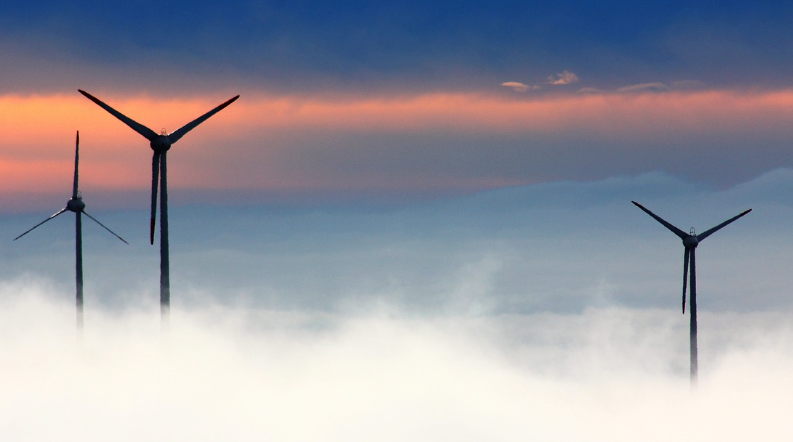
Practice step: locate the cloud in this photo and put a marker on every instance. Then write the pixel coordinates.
(248, 374)
(644, 87)
(560, 79)
(563, 78)
(518, 87)
(677, 85)
(590, 90)
(657, 86)
(524, 307)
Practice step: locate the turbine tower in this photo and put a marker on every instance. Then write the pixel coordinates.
(690, 242)
(76, 205)
(160, 144)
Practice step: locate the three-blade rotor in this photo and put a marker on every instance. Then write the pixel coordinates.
(160, 143)
(75, 204)
(690, 242)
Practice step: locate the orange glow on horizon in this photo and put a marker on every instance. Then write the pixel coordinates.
(36, 151)
(477, 112)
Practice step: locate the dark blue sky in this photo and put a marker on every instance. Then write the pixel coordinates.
(298, 46)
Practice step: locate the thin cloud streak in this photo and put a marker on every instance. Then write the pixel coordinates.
(563, 78)
(517, 86)
(644, 87)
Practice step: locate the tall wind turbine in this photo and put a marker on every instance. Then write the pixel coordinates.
(690, 242)
(160, 144)
(76, 205)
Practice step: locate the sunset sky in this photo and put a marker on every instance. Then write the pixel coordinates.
(409, 99)
(414, 224)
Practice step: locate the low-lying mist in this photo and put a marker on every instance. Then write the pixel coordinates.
(547, 312)
(232, 373)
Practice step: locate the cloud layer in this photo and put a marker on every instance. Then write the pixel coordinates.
(502, 315)
(253, 374)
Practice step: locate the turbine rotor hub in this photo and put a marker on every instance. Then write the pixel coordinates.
(161, 144)
(690, 241)
(75, 204)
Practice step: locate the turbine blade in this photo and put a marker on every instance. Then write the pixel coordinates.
(97, 221)
(692, 282)
(674, 229)
(137, 127)
(685, 276)
(51, 217)
(155, 178)
(709, 232)
(76, 163)
(174, 137)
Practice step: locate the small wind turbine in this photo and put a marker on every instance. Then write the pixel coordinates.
(160, 143)
(76, 205)
(690, 242)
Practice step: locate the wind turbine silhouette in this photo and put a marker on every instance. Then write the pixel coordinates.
(690, 242)
(76, 205)
(160, 144)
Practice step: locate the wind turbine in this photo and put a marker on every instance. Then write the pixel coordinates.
(160, 144)
(690, 242)
(76, 205)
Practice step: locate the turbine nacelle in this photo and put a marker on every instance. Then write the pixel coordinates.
(75, 205)
(161, 143)
(690, 241)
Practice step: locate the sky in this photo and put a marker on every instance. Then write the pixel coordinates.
(414, 224)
